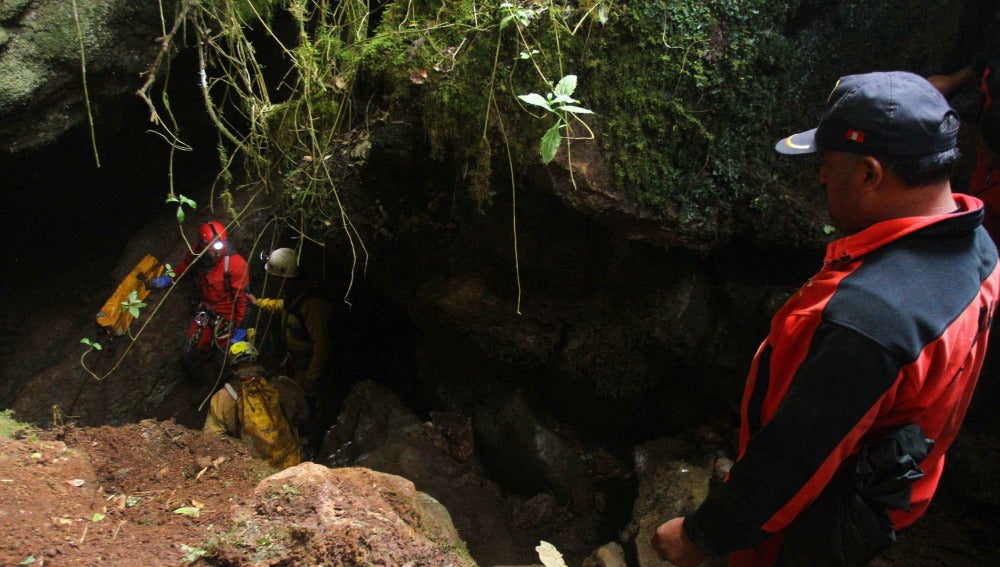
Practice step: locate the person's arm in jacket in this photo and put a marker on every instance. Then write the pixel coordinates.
(269, 305)
(165, 281)
(828, 408)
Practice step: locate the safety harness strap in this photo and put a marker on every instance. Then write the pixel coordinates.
(225, 273)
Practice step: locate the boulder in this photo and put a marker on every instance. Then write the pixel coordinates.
(313, 515)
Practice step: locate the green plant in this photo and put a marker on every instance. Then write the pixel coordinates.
(92, 346)
(562, 105)
(291, 149)
(192, 554)
(181, 201)
(10, 428)
(190, 511)
(133, 304)
(345, 74)
(521, 15)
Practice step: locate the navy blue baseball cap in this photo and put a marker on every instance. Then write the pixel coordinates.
(893, 113)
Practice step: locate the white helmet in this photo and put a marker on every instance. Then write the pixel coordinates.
(282, 263)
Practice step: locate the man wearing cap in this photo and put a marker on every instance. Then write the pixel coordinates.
(867, 372)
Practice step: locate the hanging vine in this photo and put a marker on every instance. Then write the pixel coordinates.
(301, 145)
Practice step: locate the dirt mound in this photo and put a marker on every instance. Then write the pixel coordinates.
(148, 493)
(156, 493)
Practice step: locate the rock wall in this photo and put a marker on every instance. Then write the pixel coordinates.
(46, 48)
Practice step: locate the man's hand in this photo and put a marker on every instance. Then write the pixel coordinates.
(672, 544)
(251, 298)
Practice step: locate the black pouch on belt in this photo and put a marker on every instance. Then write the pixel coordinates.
(848, 524)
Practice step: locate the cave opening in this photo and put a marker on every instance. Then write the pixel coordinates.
(67, 224)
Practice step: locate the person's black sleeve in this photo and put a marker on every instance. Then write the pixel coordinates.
(843, 376)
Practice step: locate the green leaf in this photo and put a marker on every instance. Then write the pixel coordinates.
(97, 517)
(96, 346)
(829, 229)
(550, 143)
(189, 511)
(192, 553)
(134, 312)
(28, 561)
(562, 99)
(535, 99)
(566, 85)
(575, 109)
(180, 214)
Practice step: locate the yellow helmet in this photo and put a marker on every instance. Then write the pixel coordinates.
(240, 352)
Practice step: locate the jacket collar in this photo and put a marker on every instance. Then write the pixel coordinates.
(966, 218)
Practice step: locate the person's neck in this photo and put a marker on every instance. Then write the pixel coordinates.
(924, 201)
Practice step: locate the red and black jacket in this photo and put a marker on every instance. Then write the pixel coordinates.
(891, 331)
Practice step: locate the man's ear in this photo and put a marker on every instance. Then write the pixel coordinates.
(871, 172)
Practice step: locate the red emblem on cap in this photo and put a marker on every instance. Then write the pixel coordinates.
(855, 136)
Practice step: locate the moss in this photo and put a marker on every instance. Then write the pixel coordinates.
(10, 428)
(689, 95)
(667, 79)
(54, 33)
(19, 78)
(696, 88)
(13, 10)
(49, 38)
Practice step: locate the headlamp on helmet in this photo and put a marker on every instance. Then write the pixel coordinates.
(213, 235)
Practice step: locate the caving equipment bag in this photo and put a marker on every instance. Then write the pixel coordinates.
(115, 315)
(263, 424)
(849, 525)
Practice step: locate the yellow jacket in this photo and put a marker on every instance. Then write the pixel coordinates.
(305, 329)
(223, 415)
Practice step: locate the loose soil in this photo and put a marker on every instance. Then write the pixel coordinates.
(155, 493)
(150, 493)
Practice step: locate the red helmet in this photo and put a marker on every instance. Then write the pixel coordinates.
(214, 234)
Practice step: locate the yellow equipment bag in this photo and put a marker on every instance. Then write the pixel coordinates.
(264, 426)
(115, 316)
